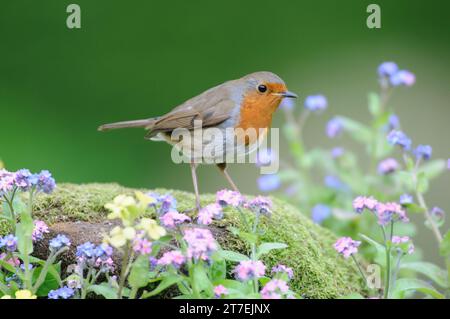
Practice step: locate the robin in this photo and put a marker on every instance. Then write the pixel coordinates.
(242, 105)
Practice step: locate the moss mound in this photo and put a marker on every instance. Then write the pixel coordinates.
(319, 271)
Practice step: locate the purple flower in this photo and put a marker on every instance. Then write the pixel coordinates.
(22, 179)
(274, 289)
(399, 240)
(207, 213)
(265, 157)
(437, 214)
(269, 182)
(201, 243)
(337, 152)
(346, 246)
(248, 270)
(45, 182)
(226, 197)
(423, 152)
(61, 293)
(283, 270)
(260, 205)
(387, 166)
(362, 202)
(387, 69)
(220, 290)
(390, 212)
(172, 218)
(320, 212)
(59, 242)
(9, 242)
(40, 228)
(406, 199)
(394, 122)
(174, 258)
(399, 138)
(404, 242)
(166, 202)
(315, 103)
(334, 127)
(402, 77)
(335, 183)
(142, 246)
(6, 182)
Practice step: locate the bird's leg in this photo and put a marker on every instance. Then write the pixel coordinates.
(194, 181)
(223, 168)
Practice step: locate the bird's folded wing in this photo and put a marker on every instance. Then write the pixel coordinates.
(187, 117)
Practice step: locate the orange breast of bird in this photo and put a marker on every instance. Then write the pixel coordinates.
(256, 113)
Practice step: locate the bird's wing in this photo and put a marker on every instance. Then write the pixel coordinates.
(212, 108)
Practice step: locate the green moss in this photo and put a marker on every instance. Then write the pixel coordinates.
(319, 271)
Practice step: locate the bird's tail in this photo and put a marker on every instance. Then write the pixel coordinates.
(146, 123)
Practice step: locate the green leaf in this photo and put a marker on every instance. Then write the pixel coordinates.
(444, 248)
(51, 281)
(4, 264)
(380, 249)
(103, 290)
(422, 183)
(139, 274)
(410, 284)
(218, 269)
(358, 131)
(165, 283)
(201, 281)
(232, 256)
(433, 169)
(427, 269)
(267, 247)
(374, 104)
(414, 208)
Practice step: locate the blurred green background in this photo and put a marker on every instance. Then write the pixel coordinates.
(136, 59)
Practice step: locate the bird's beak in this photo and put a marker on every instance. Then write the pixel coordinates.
(290, 95)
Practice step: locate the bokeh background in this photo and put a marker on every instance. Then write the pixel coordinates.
(141, 58)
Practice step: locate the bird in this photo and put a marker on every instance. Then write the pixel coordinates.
(241, 106)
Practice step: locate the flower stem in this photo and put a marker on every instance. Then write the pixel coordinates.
(360, 270)
(123, 270)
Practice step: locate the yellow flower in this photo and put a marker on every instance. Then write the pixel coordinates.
(152, 229)
(24, 294)
(118, 236)
(123, 207)
(6, 297)
(144, 200)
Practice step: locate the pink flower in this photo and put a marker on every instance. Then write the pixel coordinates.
(174, 258)
(362, 202)
(207, 213)
(40, 228)
(390, 212)
(201, 243)
(219, 291)
(226, 197)
(346, 246)
(399, 240)
(248, 269)
(142, 246)
(274, 289)
(283, 269)
(387, 166)
(173, 218)
(13, 261)
(260, 205)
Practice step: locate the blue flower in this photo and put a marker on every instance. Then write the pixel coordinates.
(337, 152)
(320, 212)
(45, 182)
(393, 122)
(406, 199)
(334, 182)
(269, 182)
(387, 69)
(265, 157)
(334, 127)
(287, 104)
(316, 103)
(399, 138)
(9, 242)
(59, 241)
(61, 293)
(402, 77)
(423, 152)
(86, 250)
(22, 179)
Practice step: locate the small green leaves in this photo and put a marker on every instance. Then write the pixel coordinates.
(404, 285)
(104, 290)
(232, 256)
(267, 247)
(139, 274)
(444, 248)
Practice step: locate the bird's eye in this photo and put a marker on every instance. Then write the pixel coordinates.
(262, 88)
